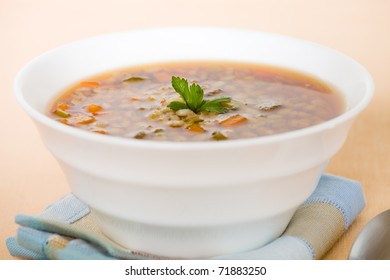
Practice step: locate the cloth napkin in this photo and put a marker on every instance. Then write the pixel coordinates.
(67, 229)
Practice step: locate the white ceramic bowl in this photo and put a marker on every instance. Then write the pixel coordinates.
(199, 199)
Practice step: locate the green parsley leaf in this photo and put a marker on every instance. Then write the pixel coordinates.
(181, 87)
(193, 98)
(177, 105)
(216, 105)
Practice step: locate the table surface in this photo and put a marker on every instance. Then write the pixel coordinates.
(30, 178)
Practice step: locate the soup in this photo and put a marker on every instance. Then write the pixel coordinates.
(197, 101)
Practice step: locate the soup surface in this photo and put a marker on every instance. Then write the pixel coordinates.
(144, 102)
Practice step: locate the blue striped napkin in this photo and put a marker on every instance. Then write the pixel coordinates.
(67, 229)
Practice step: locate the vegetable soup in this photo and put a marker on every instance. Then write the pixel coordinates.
(197, 101)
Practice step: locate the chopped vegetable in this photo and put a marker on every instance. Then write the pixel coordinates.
(63, 106)
(217, 135)
(193, 98)
(134, 79)
(269, 105)
(62, 113)
(195, 128)
(80, 118)
(100, 131)
(140, 135)
(184, 113)
(214, 92)
(64, 121)
(233, 121)
(89, 84)
(176, 123)
(193, 119)
(93, 108)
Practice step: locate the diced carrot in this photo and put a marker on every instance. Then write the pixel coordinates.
(89, 84)
(233, 121)
(64, 121)
(80, 118)
(195, 128)
(135, 98)
(93, 108)
(100, 131)
(163, 101)
(63, 106)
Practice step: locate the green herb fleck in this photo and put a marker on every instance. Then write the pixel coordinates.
(61, 113)
(140, 135)
(193, 98)
(134, 79)
(218, 136)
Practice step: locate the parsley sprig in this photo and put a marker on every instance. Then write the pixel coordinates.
(193, 98)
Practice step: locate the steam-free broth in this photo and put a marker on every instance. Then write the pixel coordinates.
(249, 101)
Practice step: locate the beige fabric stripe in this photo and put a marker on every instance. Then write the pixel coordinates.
(315, 218)
(54, 243)
(88, 223)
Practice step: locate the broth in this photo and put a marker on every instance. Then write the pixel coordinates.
(134, 102)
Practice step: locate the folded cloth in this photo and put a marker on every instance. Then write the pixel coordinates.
(67, 229)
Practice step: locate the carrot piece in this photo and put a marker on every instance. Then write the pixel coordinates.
(93, 108)
(135, 98)
(100, 131)
(89, 84)
(195, 128)
(63, 106)
(80, 118)
(233, 121)
(64, 121)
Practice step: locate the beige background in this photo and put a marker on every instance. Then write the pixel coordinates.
(30, 178)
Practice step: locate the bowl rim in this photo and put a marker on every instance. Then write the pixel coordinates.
(193, 145)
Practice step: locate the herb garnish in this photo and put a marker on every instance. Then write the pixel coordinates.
(193, 98)
(134, 79)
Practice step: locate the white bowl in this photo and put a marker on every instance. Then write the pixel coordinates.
(200, 199)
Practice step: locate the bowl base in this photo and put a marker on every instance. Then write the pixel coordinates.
(192, 242)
